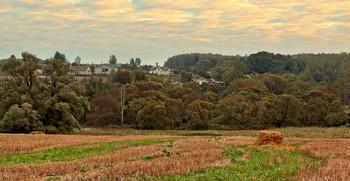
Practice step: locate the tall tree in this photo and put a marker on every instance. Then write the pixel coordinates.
(112, 59)
(138, 61)
(63, 103)
(60, 56)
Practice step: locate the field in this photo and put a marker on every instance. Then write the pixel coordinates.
(320, 154)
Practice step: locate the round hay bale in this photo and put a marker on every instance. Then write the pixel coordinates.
(269, 137)
(36, 132)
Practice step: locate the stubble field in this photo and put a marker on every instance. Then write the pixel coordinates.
(156, 156)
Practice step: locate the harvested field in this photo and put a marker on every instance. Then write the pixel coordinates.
(23, 143)
(163, 157)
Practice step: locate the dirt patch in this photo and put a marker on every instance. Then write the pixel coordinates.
(271, 138)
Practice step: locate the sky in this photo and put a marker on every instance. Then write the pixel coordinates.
(154, 30)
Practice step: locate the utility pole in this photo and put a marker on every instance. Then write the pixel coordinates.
(122, 102)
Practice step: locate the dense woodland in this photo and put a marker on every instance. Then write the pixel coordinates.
(260, 91)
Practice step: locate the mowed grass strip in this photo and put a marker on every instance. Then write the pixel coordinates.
(250, 163)
(77, 152)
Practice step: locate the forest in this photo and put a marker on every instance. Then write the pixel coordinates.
(262, 90)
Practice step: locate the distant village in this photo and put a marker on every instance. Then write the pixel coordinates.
(83, 71)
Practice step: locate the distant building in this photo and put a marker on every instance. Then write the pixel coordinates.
(176, 83)
(213, 81)
(81, 70)
(201, 80)
(3, 77)
(160, 71)
(106, 69)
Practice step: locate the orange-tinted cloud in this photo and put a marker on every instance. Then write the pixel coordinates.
(145, 26)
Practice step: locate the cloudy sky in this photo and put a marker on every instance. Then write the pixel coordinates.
(156, 29)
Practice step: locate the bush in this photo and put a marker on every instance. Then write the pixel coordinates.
(21, 119)
(347, 125)
(334, 119)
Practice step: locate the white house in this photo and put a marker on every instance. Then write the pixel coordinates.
(160, 71)
(201, 80)
(81, 70)
(106, 69)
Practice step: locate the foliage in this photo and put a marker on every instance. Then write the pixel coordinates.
(60, 56)
(186, 76)
(104, 110)
(152, 116)
(112, 59)
(122, 77)
(21, 119)
(200, 113)
(56, 100)
(139, 75)
(237, 110)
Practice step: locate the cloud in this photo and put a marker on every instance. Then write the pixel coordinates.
(128, 28)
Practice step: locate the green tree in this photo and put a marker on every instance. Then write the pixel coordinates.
(175, 110)
(138, 61)
(186, 76)
(289, 108)
(200, 112)
(60, 56)
(139, 75)
(152, 116)
(62, 102)
(133, 64)
(237, 110)
(92, 85)
(112, 59)
(275, 83)
(21, 119)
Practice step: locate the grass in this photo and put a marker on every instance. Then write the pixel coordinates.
(300, 132)
(76, 152)
(264, 163)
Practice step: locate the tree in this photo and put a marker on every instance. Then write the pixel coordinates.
(133, 64)
(112, 59)
(175, 110)
(122, 77)
(77, 61)
(200, 113)
(227, 71)
(138, 61)
(93, 85)
(139, 75)
(21, 119)
(60, 56)
(62, 102)
(104, 110)
(152, 115)
(237, 109)
(56, 101)
(186, 76)
(289, 109)
(275, 83)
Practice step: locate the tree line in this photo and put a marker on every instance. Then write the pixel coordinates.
(58, 104)
(316, 69)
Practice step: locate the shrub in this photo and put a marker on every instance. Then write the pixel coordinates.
(21, 119)
(334, 119)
